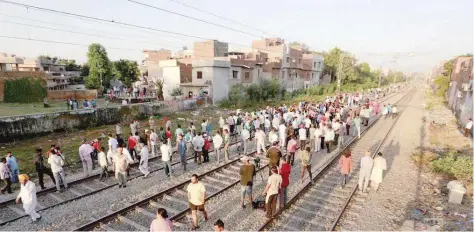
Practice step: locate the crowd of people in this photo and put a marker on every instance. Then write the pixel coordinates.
(289, 130)
(73, 104)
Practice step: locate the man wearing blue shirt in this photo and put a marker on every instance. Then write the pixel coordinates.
(12, 163)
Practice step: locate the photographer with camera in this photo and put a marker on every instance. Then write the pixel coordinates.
(274, 154)
(247, 174)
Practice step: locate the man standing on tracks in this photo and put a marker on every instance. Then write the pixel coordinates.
(366, 164)
(166, 157)
(274, 155)
(57, 162)
(356, 122)
(272, 136)
(247, 173)
(113, 143)
(285, 170)
(121, 167)
(380, 165)
(271, 192)
(292, 144)
(41, 169)
(226, 144)
(217, 141)
(28, 197)
(198, 143)
(197, 199)
(282, 134)
(153, 142)
(182, 150)
(329, 138)
(245, 139)
(143, 167)
(260, 140)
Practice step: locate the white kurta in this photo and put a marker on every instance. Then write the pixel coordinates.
(144, 161)
(380, 164)
(28, 196)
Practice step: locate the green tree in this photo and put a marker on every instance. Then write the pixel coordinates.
(175, 92)
(85, 70)
(126, 71)
(331, 62)
(70, 65)
(364, 68)
(99, 67)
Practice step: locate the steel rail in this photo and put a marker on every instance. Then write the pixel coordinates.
(115, 214)
(79, 181)
(354, 189)
(324, 167)
(112, 216)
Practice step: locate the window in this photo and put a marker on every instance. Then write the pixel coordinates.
(258, 72)
(287, 59)
(199, 75)
(314, 65)
(235, 74)
(312, 75)
(283, 74)
(296, 75)
(247, 76)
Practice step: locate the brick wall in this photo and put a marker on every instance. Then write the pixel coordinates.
(73, 94)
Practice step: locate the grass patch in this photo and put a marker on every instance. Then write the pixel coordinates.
(454, 164)
(423, 158)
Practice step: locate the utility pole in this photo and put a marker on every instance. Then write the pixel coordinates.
(380, 76)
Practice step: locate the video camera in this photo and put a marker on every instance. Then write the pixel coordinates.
(256, 162)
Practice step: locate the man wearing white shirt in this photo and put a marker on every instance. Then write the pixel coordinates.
(303, 137)
(56, 162)
(467, 129)
(260, 139)
(198, 143)
(366, 164)
(267, 125)
(166, 157)
(144, 160)
(154, 142)
(217, 141)
(113, 143)
(276, 122)
(245, 139)
(273, 136)
(85, 151)
(282, 134)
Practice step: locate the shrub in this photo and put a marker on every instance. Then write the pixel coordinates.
(453, 164)
(25, 90)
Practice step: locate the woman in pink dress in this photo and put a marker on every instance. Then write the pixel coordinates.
(161, 223)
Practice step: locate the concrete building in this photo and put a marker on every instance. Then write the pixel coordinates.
(31, 65)
(209, 49)
(174, 74)
(460, 92)
(211, 76)
(313, 65)
(291, 64)
(9, 62)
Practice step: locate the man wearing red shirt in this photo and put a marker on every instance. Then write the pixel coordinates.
(132, 142)
(285, 170)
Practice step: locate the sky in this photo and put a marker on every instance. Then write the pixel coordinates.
(421, 32)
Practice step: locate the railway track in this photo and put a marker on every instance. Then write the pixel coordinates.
(138, 215)
(77, 189)
(319, 207)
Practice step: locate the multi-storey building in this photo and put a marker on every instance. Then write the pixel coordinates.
(461, 89)
(209, 49)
